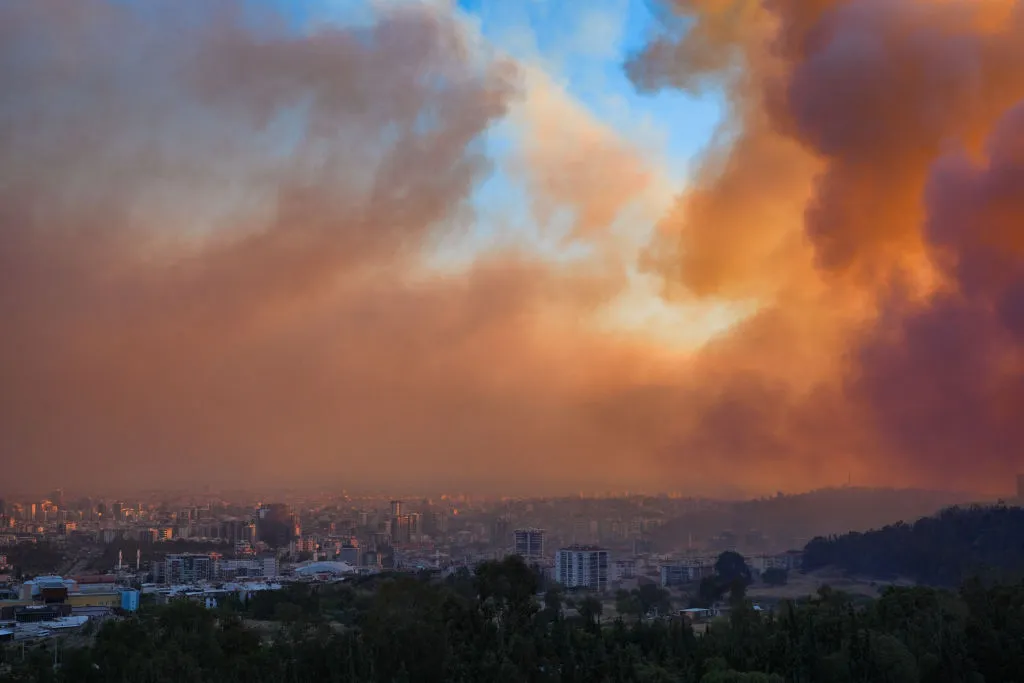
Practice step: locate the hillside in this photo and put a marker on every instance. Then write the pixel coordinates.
(791, 520)
(943, 550)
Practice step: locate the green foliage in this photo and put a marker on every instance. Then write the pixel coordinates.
(33, 559)
(732, 576)
(775, 576)
(491, 627)
(943, 550)
(730, 566)
(709, 592)
(731, 676)
(649, 598)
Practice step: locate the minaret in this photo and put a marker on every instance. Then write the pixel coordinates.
(118, 560)
(138, 559)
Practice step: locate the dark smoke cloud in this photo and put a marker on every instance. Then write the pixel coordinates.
(948, 382)
(844, 207)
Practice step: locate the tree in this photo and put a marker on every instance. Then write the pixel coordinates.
(401, 628)
(553, 601)
(590, 608)
(652, 597)
(709, 591)
(737, 592)
(627, 603)
(890, 661)
(730, 676)
(775, 576)
(731, 566)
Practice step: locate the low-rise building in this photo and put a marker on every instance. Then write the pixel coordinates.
(624, 569)
(790, 560)
(191, 568)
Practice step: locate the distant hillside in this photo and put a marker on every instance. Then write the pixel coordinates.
(791, 520)
(941, 550)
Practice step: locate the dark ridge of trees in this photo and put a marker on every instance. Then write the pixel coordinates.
(942, 550)
(33, 559)
(414, 628)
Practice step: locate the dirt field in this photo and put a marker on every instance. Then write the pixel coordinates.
(804, 585)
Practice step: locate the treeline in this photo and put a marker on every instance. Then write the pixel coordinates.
(33, 559)
(492, 628)
(942, 550)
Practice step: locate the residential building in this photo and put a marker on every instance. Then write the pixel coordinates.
(676, 574)
(189, 568)
(349, 552)
(500, 532)
(276, 525)
(623, 569)
(790, 560)
(401, 529)
(582, 566)
(529, 543)
(266, 567)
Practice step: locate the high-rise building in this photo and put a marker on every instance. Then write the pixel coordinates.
(529, 543)
(436, 523)
(237, 531)
(276, 525)
(396, 508)
(582, 566)
(380, 540)
(500, 531)
(401, 531)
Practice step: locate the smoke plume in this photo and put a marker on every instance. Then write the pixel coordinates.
(868, 200)
(218, 244)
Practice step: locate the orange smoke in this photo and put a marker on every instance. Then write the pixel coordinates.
(215, 235)
(824, 209)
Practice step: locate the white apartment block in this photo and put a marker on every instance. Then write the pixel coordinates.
(581, 566)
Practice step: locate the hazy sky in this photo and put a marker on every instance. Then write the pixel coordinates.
(519, 247)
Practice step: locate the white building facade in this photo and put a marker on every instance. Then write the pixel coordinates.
(582, 567)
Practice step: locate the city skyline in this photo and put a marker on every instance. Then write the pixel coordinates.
(433, 245)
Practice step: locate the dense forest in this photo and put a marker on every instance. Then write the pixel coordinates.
(942, 550)
(491, 627)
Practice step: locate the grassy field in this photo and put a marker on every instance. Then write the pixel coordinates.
(804, 585)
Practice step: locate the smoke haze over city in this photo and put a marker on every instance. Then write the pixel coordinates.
(392, 247)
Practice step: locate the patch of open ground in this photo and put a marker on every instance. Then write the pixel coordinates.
(806, 585)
